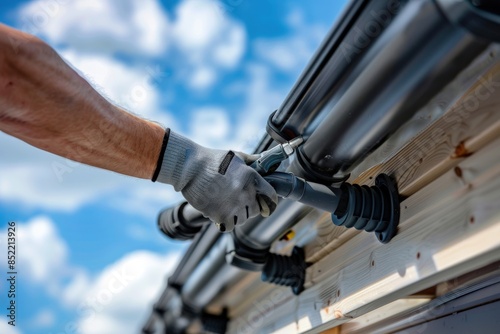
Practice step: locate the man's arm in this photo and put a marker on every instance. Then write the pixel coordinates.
(47, 104)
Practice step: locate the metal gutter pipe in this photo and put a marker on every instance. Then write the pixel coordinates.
(329, 66)
(214, 271)
(412, 60)
(211, 274)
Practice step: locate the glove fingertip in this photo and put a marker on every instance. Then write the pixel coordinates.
(266, 204)
(226, 225)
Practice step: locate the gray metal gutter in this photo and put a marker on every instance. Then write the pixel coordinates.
(412, 60)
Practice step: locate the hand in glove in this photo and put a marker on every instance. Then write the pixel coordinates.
(217, 183)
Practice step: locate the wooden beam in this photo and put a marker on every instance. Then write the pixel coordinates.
(329, 238)
(334, 330)
(481, 274)
(383, 313)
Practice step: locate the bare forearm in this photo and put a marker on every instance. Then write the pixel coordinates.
(48, 105)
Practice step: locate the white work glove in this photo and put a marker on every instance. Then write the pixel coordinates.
(217, 183)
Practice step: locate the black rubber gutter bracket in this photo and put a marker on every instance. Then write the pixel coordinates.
(373, 209)
(287, 270)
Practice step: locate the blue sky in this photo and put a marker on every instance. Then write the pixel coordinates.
(90, 258)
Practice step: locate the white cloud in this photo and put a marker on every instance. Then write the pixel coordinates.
(120, 298)
(152, 24)
(105, 25)
(209, 40)
(44, 260)
(202, 77)
(77, 286)
(36, 186)
(292, 53)
(44, 318)
(197, 24)
(262, 97)
(138, 232)
(231, 48)
(210, 126)
(44, 256)
(286, 55)
(5, 328)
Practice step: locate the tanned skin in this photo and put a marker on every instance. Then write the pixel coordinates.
(45, 103)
